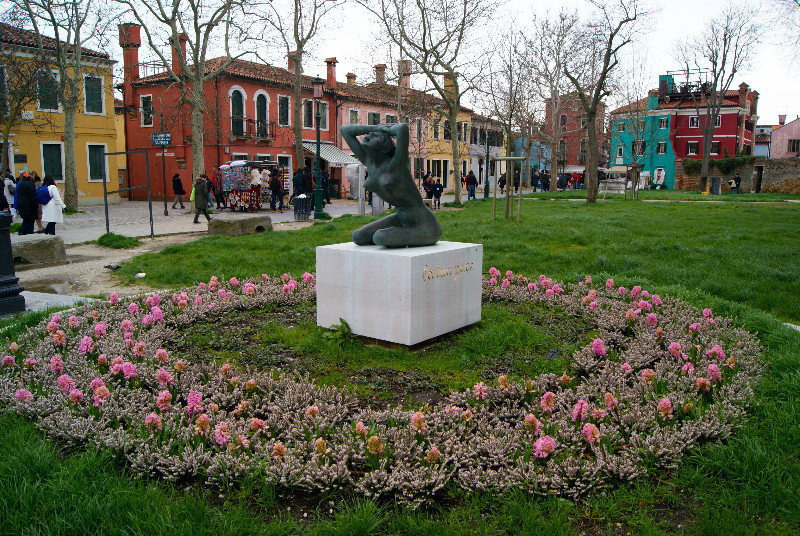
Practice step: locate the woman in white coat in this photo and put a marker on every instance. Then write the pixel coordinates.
(51, 212)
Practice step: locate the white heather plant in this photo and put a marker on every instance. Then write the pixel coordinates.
(660, 377)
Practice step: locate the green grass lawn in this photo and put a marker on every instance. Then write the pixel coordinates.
(741, 259)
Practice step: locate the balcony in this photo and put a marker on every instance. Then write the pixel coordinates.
(245, 129)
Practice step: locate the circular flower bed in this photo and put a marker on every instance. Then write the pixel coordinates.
(659, 377)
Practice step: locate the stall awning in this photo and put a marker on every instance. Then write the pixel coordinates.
(330, 153)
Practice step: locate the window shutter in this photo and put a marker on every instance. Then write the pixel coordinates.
(92, 88)
(97, 168)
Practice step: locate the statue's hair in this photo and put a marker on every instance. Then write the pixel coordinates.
(388, 147)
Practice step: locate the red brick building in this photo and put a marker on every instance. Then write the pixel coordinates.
(249, 116)
(572, 146)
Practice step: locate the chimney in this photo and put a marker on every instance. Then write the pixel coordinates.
(754, 106)
(743, 95)
(176, 60)
(782, 119)
(130, 40)
(351, 78)
(404, 70)
(290, 60)
(449, 84)
(331, 63)
(380, 73)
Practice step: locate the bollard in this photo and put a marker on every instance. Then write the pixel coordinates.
(10, 299)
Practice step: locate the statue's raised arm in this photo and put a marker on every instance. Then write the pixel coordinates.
(413, 224)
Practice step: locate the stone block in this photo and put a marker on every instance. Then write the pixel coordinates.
(38, 248)
(239, 226)
(401, 295)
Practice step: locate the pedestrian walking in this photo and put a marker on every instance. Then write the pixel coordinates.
(26, 204)
(219, 193)
(177, 190)
(276, 191)
(437, 194)
(516, 181)
(737, 182)
(9, 187)
(472, 183)
(201, 197)
(325, 183)
(427, 186)
(209, 190)
(37, 182)
(502, 183)
(52, 210)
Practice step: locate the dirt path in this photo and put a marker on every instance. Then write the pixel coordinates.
(85, 275)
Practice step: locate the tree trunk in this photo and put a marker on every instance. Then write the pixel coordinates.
(70, 168)
(554, 152)
(509, 176)
(455, 142)
(592, 159)
(297, 108)
(4, 163)
(708, 135)
(198, 161)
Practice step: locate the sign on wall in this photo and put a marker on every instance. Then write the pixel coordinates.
(162, 138)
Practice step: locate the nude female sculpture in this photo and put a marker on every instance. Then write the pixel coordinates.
(412, 224)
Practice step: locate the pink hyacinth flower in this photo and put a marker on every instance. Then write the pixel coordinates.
(23, 395)
(599, 348)
(580, 411)
(481, 391)
(548, 401)
(544, 446)
(591, 433)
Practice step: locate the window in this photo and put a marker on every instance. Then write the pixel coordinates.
(794, 146)
(47, 90)
(620, 127)
(353, 117)
(52, 163)
(419, 129)
(483, 136)
(262, 126)
(97, 162)
(373, 118)
(283, 110)
(663, 122)
(473, 137)
(692, 147)
(391, 118)
(562, 121)
(694, 121)
(323, 115)
(718, 121)
(3, 92)
(638, 148)
(262, 157)
(146, 108)
(237, 113)
(239, 156)
(308, 113)
(436, 130)
(715, 147)
(583, 123)
(93, 95)
(448, 133)
(619, 151)
(562, 150)
(465, 131)
(458, 131)
(661, 148)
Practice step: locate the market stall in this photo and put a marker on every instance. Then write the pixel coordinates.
(241, 186)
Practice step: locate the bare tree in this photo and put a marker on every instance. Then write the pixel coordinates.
(601, 41)
(549, 53)
(787, 12)
(75, 25)
(198, 25)
(293, 24)
(438, 37)
(17, 93)
(721, 52)
(504, 92)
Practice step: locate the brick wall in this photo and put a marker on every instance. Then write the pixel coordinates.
(780, 175)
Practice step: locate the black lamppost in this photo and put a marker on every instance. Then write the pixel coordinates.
(318, 84)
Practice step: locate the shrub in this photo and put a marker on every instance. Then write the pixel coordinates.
(115, 241)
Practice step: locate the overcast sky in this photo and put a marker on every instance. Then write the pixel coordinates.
(350, 37)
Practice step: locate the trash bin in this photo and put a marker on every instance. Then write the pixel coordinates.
(716, 185)
(302, 208)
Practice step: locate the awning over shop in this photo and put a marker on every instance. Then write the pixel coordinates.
(330, 153)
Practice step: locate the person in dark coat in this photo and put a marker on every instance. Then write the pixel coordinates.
(472, 183)
(325, 193)
(201, 197)
(516, 181)
(177, 189)
(276, 189)
(437, 194)
(27, 204)
(297, 183)
(308, 182)
(502, 183)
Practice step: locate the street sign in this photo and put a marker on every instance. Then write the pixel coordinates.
(162, 138)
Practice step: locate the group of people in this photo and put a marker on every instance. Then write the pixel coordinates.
(433, 189)
(35, 200)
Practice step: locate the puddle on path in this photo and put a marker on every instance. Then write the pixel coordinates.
(54, 286)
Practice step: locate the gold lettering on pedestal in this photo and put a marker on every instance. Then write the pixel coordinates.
(428, 274)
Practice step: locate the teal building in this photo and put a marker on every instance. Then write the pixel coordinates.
(640, 134)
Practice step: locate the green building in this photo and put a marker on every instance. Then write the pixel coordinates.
(640, 134)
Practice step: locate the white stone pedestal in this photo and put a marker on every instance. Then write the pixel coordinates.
(401, 295)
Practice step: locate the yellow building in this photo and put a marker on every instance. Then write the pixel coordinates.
(439, 158)
(36, 142)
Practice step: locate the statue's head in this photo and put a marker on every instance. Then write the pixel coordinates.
(379, 142)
